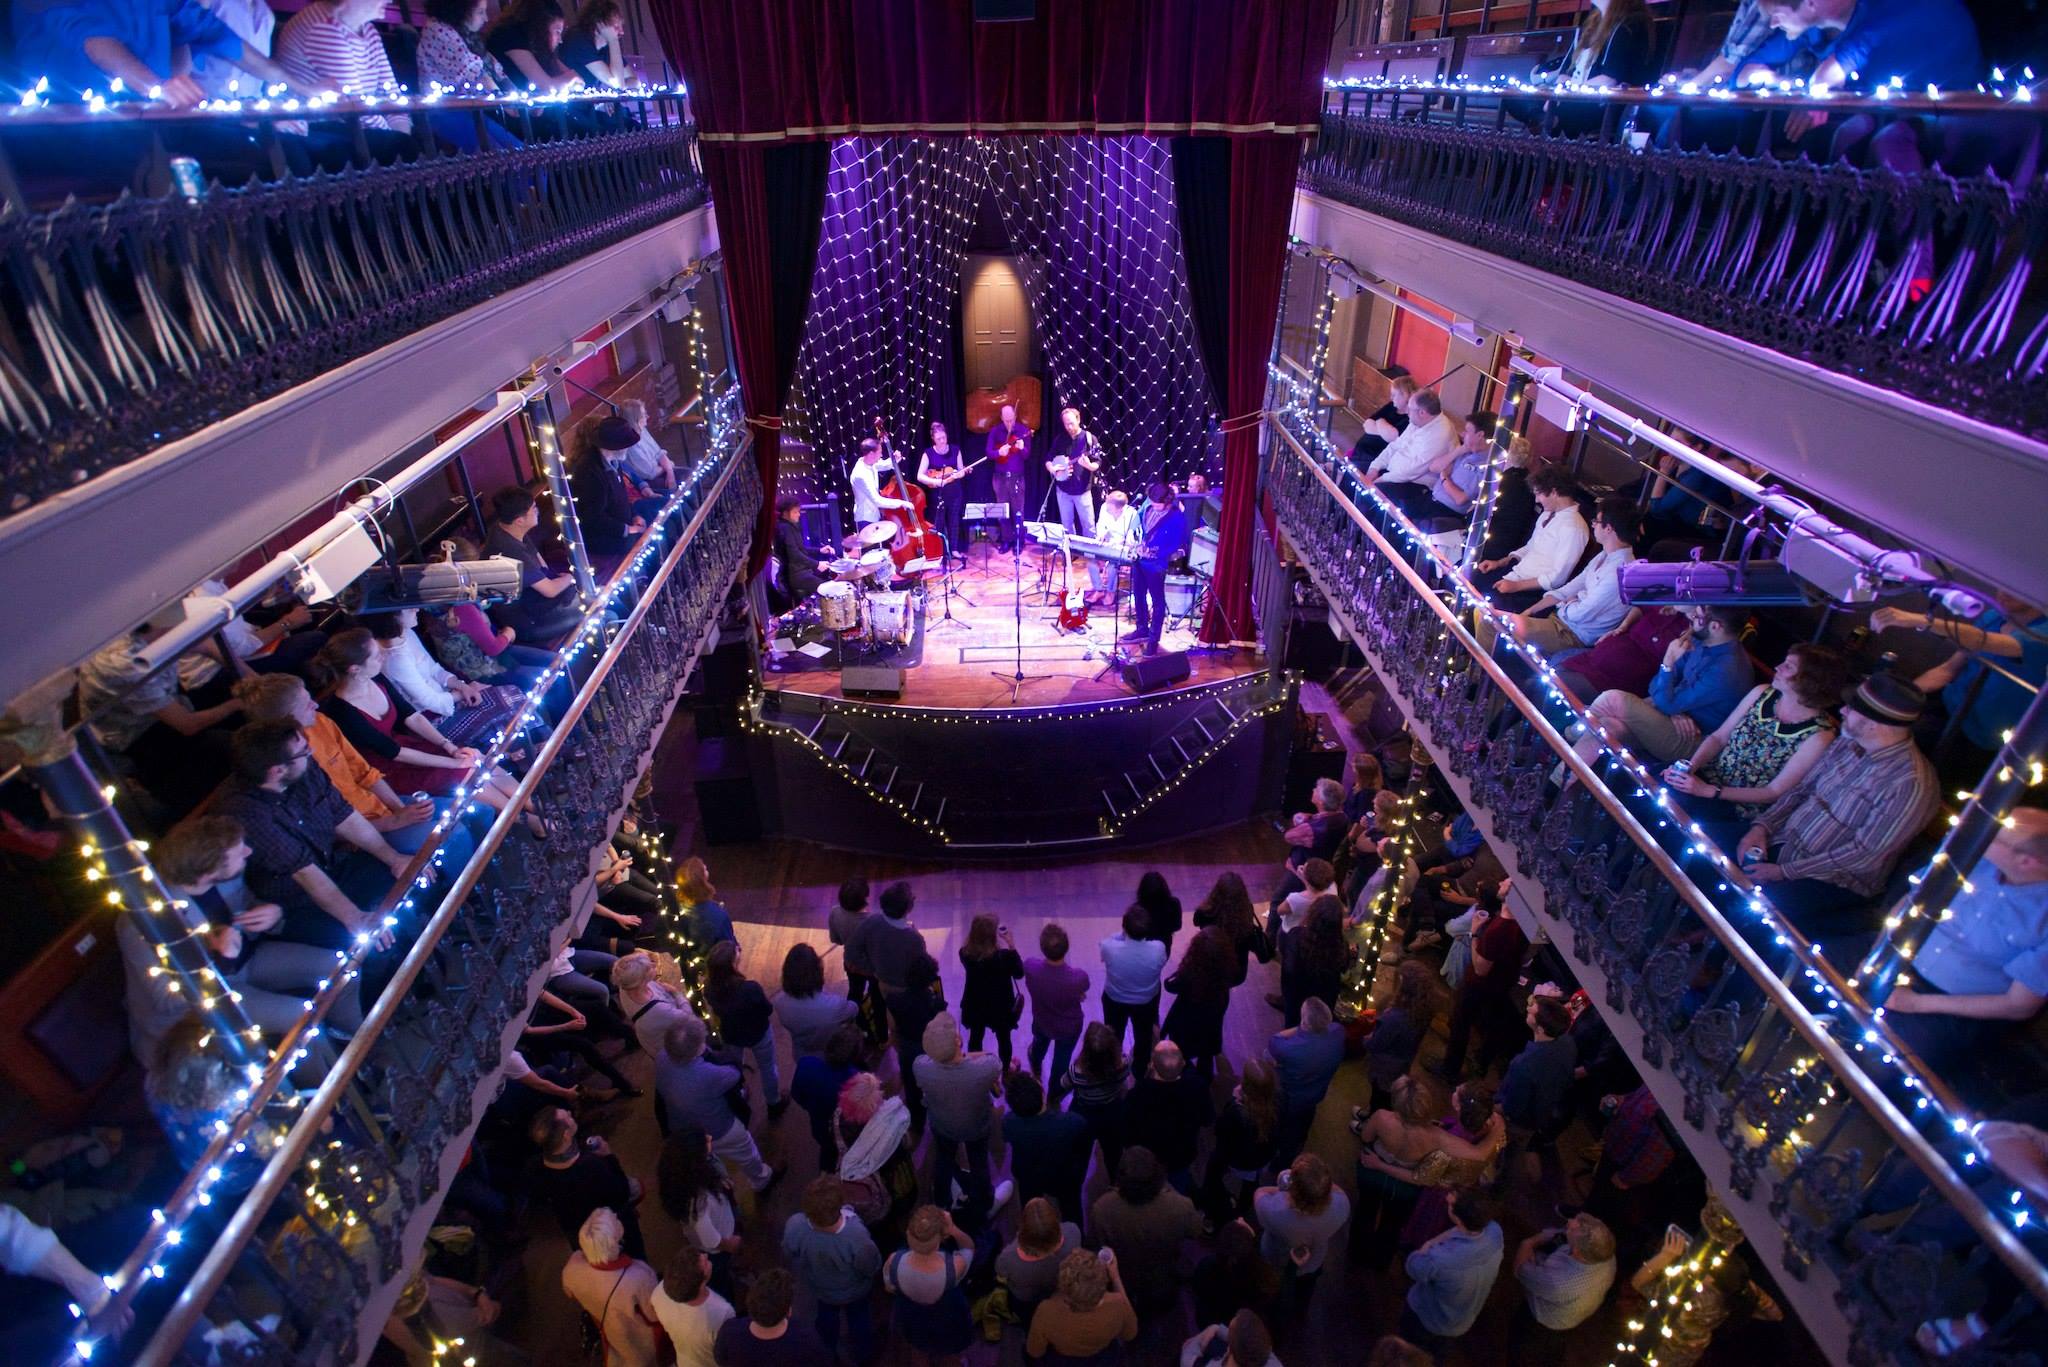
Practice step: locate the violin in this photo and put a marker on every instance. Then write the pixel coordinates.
(915, 538)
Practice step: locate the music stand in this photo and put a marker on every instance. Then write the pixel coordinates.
(1020, 678)
(946, 589)
(986, 513)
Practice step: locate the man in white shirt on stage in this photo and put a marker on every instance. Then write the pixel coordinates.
(869, 502)
(1116, 525)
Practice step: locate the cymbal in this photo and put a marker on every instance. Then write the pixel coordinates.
(878, 533)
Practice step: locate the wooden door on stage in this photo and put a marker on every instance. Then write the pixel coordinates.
(995, 322)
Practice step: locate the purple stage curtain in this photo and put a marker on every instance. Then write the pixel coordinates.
(1234, 209)
(1092, 223)
(768, 202)
(763, 69)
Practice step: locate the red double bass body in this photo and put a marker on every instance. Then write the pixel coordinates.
(915, 538)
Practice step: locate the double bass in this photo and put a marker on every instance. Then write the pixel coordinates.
(915, 538)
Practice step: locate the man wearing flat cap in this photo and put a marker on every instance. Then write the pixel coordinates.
(1827, 847)
(604, 504)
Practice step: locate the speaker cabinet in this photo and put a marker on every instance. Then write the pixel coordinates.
(1149, 672)
(871, 681)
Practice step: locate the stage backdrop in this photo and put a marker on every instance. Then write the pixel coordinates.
(765, 72)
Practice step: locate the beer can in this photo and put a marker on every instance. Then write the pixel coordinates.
(1678, 768)
(187, 178)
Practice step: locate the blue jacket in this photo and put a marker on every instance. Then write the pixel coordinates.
(1705, 684)
(1164, 539)
(838, 1265)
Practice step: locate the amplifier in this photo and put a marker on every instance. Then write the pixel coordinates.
(871, 681)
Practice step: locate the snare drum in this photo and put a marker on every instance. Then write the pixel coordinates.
(889, 615)
(1181, 592)
(838, 607)
(877, 566)
(845, 567)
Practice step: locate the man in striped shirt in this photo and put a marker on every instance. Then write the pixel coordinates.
(1829, 844)
(333, 45)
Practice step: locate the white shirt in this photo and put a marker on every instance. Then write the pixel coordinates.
(1590, 602)
(254, 23)
(1409, 455)
(1553, 549)
(692, 1328)
(418, 676)
(1117, 528)
(644, 458)
(868, 498)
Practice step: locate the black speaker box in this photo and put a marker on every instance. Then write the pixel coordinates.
(871, 681)
(1148, 672)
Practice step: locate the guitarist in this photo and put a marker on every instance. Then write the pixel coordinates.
(1009, 451)
(941, 471)
(1073, 473)
(1164, 530)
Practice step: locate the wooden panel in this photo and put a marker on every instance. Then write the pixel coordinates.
(996, 323)
(63, 1037)
(1370, 388)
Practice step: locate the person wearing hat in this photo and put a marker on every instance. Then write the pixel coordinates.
(604, 505)
(1825, 849)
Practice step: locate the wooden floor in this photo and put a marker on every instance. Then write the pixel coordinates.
(961, 660)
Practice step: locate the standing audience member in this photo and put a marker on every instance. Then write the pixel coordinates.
(958, 1090)
(1453, 1273)
(832, 1254)
(1566, 1274)
(1169, 1107)
(1314, 958)
(843, 924)
(766, 1336)
(1485, 1000)
(811, 1014)
(650, 1006)
(816, 1084)
(990, 1000)
(1533, 1093)
(1132, 962)
(615, 1289)
(1143, 1222)
(1297, 1220)
(1031, 1263)
(1087, 1314)
(1245, 1131)
(1244, 1342)
(1229, 908)
(743, 1016)
(931, 1314)
(1235, 1276)
(1049, 1149)
(1097, 1081)
(694, 1090)
(912, 1009)
(705, 920)
(1162, 908)
(573, 1179)
(1057, 990)
(690, 1312)
(1305, 1059)
(1201, 997)
(889, 943)
(1402, 1151)
(1398, 1029)
(697, 1194)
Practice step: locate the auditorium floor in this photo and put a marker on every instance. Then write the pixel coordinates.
(959, 660)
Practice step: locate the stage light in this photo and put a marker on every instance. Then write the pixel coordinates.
(439, 583)
(335, 566)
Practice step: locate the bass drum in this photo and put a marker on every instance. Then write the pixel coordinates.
(889, 616)
(838, 607)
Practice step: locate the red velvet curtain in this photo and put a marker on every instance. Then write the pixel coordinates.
(821, 68)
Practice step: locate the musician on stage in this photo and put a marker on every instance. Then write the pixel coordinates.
(1009, 454)
(1116, 525)
(869, 502)
(1164, 530)
(940, 470)
(800, 572)
(1076, 458)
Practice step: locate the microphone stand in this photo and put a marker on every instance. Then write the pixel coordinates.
(946, 586)
(1017, 680)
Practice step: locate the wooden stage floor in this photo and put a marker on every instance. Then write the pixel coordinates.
(960, 661)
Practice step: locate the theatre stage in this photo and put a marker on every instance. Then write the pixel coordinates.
(959, 660)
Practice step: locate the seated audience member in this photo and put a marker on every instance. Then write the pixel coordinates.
(1612, 46)
(281, 646)
(1049, 1149)
(1844, 42)
(694, 1090)
(142, 43)
(1314, 834)
(572, 1177)
(616, 1289)
(1775, 735)
(1826, 848)
(1387, 422)
(146, 717)
(766, 1336)
(1244, 1342)
(604, 506)
(334, 45)
(1547, 559)
(690, 1312)
(1453, 492)
(1418, 497)
(201, 860)
(1705, 674)
(451, 50)
(1983, 702)
(1588, 605)
(1514, 503)
(930, 1312)
(1984, 965)
(831, 1253)
(1031, 1262)
(28, 1249)
(310, 850)
(1566, 1274)
(1143, 1222)
(1086, 1314)
(1298, 1220)
(1681, 502)
(1430, 437)
(546, 608)
(464, 640)
(466, 712)
(648, 462)
(1748, 30)
(1453, 1274)
(1627, 658)
(590, 44)
(526, 38)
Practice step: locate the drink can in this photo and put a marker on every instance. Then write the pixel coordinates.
(422, 795)
(1680, 767)
(1751, 858)
(187, 178)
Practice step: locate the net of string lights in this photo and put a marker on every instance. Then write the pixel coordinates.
(879, 337)
(1857, 1024)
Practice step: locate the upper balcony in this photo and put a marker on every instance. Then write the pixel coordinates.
(1868, 327)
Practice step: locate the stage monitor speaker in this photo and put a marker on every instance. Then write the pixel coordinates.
(871, 681)
(1005, 11)
(1148, 672)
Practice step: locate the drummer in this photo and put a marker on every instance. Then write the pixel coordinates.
(801, 572)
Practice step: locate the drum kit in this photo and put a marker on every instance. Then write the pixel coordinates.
(859, 601)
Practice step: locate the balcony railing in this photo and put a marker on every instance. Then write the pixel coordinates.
(1918, 281)
(305, 1209)
(128, 324)
(1748, 1034)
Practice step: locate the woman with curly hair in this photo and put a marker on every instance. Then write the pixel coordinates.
(1201, 997)
(1314, 959)
(1229, 908)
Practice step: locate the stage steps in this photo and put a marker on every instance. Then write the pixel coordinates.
(1172, 758)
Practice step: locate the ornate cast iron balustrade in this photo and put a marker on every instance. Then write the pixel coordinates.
(1817, 262)
(342, 1207)
(126, 325)
(1815, 1140)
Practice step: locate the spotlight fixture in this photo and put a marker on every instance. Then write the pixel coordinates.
(1757, 583)
(438, 583)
